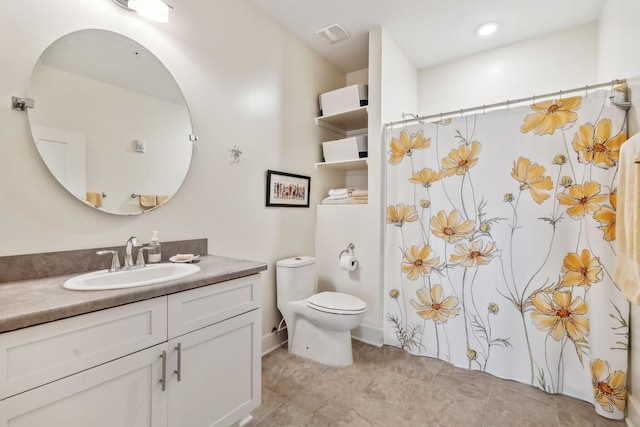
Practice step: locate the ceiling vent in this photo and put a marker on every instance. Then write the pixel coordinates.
(333, 33)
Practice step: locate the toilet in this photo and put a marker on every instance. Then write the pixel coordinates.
(318, 324)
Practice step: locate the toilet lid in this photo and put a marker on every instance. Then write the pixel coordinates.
(337, 302)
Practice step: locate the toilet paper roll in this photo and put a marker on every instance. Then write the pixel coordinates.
(348, 262)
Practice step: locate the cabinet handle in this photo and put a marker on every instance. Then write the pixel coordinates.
(178, 371)
(163, 380)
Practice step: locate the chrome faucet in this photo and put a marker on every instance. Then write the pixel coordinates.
(128, 251)
(115, 262)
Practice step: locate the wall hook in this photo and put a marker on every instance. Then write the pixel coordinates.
(20, 104)
(235, 154)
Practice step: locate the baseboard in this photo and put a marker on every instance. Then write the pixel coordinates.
(273, 341)
(368, 334)
(633, 411)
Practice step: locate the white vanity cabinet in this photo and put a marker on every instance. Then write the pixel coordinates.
(187, 359)
(214, 371)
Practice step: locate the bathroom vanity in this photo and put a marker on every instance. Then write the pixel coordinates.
(180, 353)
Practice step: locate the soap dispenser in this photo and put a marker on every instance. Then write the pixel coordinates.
(154, 249)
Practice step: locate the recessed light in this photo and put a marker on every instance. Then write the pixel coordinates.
(487, 28)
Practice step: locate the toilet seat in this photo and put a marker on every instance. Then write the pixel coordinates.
(336, 303)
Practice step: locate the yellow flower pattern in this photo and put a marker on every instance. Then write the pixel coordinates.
(582, 199)
(405, 144)
(502, 246)
(399, 214)
(451, 228)
(461, 160)
(433, 305)
(606, 216)
(609, 389)
(551, 115)
(474, 255)
(417, 262)
(531, 177)
(561, 315)
(582, 270)
(596, 145)
(426, 177)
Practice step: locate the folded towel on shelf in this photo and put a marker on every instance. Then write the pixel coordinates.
(360, 193)
(344, 201)
(340, 191)
(339, 197)
(161, 198)
(95, 199)
(148, 201)
(626, 273)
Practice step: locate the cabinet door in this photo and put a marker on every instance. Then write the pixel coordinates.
(125, 392)
(200, 307)
(219, 373)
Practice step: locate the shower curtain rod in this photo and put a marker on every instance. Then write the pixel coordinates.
(507, 103)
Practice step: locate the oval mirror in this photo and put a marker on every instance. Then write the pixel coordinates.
(110, 122)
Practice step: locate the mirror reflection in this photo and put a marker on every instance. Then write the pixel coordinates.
(110, 122)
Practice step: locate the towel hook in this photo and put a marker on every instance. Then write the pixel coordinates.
(235, 154)
(349, 248)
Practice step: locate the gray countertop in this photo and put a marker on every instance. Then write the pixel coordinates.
(30, 302)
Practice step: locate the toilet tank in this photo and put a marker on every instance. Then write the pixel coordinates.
(295, 278)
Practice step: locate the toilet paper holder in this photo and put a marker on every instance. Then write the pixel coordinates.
(350, 248)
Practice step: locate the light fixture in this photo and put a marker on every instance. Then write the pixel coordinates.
(487, 29)
(156, 10)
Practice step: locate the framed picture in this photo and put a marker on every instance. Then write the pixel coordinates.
(287, 190)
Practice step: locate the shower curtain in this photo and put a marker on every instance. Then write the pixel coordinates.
(500, 245)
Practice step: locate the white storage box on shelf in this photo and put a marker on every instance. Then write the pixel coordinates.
(351, 148)
(343, 99)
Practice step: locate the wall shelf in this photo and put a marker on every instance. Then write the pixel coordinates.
(356, 164)
(344, 122)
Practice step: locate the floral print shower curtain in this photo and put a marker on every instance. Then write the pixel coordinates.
(500, 245)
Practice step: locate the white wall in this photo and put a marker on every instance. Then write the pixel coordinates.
(618, 57)
(559, 61)
(246, 82)
(393, 89)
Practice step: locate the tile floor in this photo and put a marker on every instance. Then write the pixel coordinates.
(388, 387)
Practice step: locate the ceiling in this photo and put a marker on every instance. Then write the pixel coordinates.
(429, 31)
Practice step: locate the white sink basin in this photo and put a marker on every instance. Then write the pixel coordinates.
(148, 275)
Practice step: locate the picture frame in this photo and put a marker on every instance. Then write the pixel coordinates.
(287, 190)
